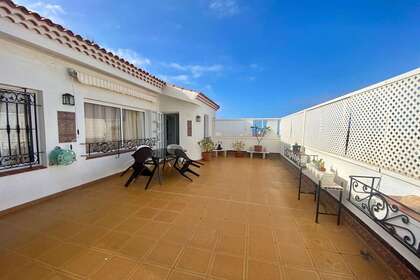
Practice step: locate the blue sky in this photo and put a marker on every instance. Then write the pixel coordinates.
(256, 58)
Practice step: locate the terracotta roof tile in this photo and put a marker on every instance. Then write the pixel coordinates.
(21, 15)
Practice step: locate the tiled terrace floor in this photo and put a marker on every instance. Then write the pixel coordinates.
(240, 220)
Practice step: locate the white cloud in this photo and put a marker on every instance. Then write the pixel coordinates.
(224, 8)
(132, 56)
(185, 79)
(51, 11)
(195, 70)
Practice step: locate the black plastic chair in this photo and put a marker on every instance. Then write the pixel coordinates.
(142, 158)
(183, 162)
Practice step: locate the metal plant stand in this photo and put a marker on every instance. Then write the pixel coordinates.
(321, 188)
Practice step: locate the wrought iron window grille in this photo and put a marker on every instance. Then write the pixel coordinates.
(117, 147)
(19, 134)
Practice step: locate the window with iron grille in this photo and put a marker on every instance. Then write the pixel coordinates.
(19, 135)
(113, 129)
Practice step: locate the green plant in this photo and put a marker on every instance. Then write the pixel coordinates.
(260, 132)
(319, 164)
(206, 144)
(238, 145)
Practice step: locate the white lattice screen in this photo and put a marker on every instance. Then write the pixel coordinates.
(326, 127)
(285, 127)
(402, 153)
(292, 128)
(297, 122)
(384, 126)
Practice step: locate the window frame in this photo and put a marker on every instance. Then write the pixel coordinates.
(121, 126)
(33, 129)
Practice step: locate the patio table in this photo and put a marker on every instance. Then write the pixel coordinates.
(324, 181)
(159, 156)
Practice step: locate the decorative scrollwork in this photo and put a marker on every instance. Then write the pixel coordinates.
(14, 96)
(384, 210)
(118, 146)
(17, 160)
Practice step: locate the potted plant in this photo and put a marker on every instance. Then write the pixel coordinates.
(319, 164)
(207, 146)
(238, 147)
(259, 133)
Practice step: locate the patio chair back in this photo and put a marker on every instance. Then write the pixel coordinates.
(142, 154)
(171, 148)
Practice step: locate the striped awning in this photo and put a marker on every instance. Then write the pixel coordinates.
(90, 80)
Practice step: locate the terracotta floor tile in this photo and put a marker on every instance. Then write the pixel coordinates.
(33, 271)
(329, 262)
(262, 249)
(237, 207)
(260, 232)
(366, 269)
(176, 206)
(166, 216)
(61, 276)
(150, 272)
(178, 275)
(130, 225)
(154, 230)
(232, 228)
(10, 262)
(109, 220)
(37, 246)
(147, 213)
(296, 256)
(187, 219)
(262, 271)
(194, 260)
(85, 262)
(179, 234)
(115, 268)
(287, 237)
(204, 239)
(347, 243)
(164, 254)
(231, 245)
(63, 230)
(158, 203)
(112, 241)
(331, 276)
(228, 267)
(300, 274)
(136, 247)
(319, 242)
(59, 255)
(89, 235)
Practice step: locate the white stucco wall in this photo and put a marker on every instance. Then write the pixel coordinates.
(37, 63)
(24, 66)
(228, 131)
(189, 111)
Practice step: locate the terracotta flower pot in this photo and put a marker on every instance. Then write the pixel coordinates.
(238, 154)
(206, 156)
(258, 148)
